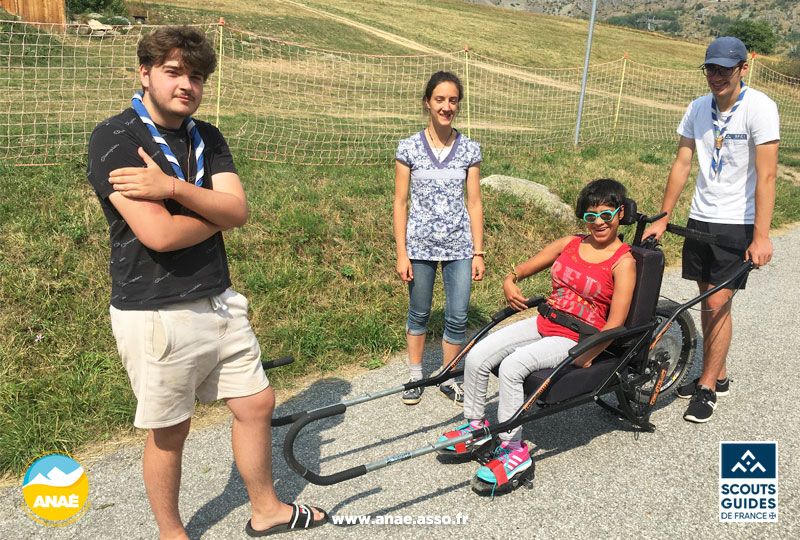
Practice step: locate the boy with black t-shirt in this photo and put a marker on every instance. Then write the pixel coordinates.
(168, 188)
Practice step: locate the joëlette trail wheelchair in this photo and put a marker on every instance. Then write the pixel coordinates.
(649, 357)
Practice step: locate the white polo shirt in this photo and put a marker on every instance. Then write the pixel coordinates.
(729, 197)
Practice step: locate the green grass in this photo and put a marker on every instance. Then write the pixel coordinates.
(789, 157)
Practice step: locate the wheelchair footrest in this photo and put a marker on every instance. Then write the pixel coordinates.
(525, 478)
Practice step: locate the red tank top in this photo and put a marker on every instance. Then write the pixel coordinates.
(580, 288)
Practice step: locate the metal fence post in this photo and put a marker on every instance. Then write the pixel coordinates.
(585, 73)
(619, 99)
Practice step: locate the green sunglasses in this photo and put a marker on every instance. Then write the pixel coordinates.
(605, 215)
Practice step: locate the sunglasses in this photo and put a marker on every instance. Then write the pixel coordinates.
(605, 215)
(710, 70)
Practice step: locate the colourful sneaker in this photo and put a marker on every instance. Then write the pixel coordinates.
(463, 448)
(506, 465)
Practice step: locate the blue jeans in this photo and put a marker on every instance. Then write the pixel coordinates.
(457, 278)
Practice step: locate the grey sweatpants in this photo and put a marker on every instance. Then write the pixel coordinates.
(519, 350)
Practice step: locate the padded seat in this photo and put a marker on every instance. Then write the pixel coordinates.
(571, 381)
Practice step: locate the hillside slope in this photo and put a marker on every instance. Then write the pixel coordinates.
(698, 19)
(527, 39)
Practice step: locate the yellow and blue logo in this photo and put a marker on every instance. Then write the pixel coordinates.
(56, 490)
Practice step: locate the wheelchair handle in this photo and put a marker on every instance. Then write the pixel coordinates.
(651, 219)
(360, 470)
(439, 376)
(302, 470)
(278, 362)
(286, 420)
(641, 221)
(707, 238)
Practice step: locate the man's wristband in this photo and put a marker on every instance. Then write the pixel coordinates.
(479, 254)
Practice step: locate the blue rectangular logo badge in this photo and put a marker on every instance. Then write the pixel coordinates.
(751, 460)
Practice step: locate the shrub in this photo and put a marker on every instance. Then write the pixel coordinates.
(115, 7)
(757, 36)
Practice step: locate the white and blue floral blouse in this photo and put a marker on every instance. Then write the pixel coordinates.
(438, 227)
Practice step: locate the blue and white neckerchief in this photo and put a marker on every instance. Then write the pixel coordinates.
(197, 141)
(719, 132)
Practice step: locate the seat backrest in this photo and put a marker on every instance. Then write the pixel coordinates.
(649, 271)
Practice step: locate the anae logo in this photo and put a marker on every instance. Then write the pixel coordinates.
(56, 490)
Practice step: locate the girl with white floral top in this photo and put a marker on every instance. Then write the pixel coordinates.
(440, 227)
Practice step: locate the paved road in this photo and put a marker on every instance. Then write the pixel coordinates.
(594, 478)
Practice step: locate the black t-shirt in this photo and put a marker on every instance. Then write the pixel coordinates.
(140, 277)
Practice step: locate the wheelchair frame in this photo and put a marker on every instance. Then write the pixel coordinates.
(636, 372)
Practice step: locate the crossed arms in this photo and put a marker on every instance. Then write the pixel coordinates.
(139, 193)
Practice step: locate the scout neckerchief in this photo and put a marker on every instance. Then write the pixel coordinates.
(188, 124)
(719, 131)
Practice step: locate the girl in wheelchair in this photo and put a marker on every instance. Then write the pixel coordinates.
(593, 277)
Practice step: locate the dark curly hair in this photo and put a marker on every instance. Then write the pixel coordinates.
(196, 51)
(605, 191)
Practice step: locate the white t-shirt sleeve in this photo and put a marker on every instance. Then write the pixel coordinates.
(764, 120)
(686, 127)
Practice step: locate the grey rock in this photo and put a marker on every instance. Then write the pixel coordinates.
(535, 193)
(99, 28)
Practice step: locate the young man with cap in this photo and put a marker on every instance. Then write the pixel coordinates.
(168, 188)
(735, 132)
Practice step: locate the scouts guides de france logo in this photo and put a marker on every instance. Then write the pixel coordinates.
(748, 481)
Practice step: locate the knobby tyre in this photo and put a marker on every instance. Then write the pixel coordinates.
(679, 344)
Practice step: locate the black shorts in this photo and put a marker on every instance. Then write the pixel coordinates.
(714, 264)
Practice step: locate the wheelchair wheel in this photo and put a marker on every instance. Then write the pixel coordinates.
(677, 345)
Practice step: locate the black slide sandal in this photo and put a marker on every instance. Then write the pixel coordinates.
(302, 519)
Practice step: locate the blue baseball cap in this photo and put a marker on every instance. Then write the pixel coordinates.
(726, 51)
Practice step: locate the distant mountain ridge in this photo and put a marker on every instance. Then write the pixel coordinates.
(698, 19)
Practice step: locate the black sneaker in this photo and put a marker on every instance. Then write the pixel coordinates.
(702, 406)
(723, 388)
(413, 395)
(453, 391)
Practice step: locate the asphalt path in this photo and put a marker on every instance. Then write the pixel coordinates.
(595, 478)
